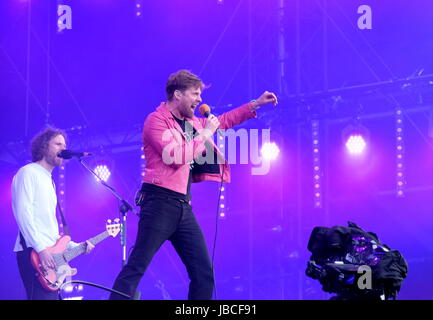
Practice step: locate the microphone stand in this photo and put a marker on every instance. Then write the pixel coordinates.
(124, 207)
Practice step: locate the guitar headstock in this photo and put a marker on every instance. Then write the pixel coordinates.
(113, 228)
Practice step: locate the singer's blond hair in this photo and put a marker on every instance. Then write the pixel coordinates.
(182, 80)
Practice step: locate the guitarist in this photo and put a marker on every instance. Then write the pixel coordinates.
(34, 204)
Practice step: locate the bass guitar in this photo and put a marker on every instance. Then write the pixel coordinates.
(52, 279)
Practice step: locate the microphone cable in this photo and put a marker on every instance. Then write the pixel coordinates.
(205, 111)
(136, 296)
(216, 226)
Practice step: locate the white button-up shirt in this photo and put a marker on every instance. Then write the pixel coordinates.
(34, 203)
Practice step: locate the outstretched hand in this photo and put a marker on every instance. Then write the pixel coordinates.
(267, 97)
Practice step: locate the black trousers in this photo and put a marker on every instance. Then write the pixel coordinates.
(34, 289)
(164, 218)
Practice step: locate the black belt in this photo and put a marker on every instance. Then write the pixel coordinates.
(184, 201)
(140, 197)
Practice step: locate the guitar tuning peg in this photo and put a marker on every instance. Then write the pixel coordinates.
(117, 220)
(109, 221)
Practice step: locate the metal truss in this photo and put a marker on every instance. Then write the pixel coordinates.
(96, 141)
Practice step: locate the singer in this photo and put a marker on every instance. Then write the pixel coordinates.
(34, 203)
(165, 197)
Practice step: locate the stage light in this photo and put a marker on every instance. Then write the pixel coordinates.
(355, 138)
(61, 195)
(400, 178)
(270, 151)
(142, 162)
(74, 298)
(103, 172)
(68, 288)
(355, 144)
(138, 8)
(315, 134)
(222, 203)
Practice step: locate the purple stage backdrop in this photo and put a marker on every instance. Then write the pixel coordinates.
(100, 68)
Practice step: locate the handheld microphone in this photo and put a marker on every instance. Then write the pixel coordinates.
(68, 154)
(204, 110)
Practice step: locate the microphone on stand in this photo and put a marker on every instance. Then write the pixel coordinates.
(68, 154)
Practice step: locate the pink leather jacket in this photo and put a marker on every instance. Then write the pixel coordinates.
(163, 137)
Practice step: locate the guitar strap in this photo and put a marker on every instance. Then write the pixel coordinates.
(23, 242)
(62, 217)
(65, 226)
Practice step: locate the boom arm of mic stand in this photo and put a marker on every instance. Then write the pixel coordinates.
(123, 208)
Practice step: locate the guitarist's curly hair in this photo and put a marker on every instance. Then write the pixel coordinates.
(39, 144)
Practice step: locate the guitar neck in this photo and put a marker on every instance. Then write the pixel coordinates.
(81, 248)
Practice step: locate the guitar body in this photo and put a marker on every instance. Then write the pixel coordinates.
(50, 279)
